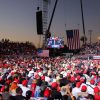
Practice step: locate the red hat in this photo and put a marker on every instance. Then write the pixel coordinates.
(82, 80)
(93, 73)
(8, 81)
(96, 90)
(33, 86)
(2, 89)
(69, 67)
(43, 78)
(46, 92)
(12, 73)
(24, 82)
(54, 85)
(0, 78)
(78, 84)
(36, 76)
(72, 79)
(38, 71)
(92, 82)
(83, 88)
(85, 71)
(97, 97)
(16, 80)
(78, 77)
(77, 71)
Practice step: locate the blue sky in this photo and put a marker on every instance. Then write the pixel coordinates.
(18, 19)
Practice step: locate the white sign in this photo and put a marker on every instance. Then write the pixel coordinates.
(96, 57)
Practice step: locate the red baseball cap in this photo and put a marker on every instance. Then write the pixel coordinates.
(33, 85)
(83, 88)
(96, 90)
(54, 85)
(72, 79)
(78, 84)
(16, 80)
(46, 92)
(92, 82)
(43, 78)
(24, 83)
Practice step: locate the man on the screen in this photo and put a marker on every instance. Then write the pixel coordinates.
(55, 42)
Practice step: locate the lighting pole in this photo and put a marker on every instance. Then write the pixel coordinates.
(90, 33)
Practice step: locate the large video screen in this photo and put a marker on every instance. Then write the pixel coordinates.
(55, 42)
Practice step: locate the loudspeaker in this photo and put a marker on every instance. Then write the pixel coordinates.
(39, 22)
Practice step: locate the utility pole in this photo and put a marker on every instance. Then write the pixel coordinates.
(90, 33)
(83, 20)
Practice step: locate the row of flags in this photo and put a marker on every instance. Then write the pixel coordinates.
(73, 39)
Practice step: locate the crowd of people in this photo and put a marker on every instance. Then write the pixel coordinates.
(8, 47)
(52, 78)
(93, 48)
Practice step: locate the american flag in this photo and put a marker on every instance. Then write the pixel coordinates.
(43, 53)
(73, 40)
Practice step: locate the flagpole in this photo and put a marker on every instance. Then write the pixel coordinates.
(83, 21)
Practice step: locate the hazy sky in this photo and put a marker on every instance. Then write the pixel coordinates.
(18, 18)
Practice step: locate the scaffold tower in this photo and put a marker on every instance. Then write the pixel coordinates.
(46, 29)
(43, 6)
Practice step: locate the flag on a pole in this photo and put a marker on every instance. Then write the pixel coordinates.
(73, 40)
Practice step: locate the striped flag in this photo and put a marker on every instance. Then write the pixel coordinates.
(43, 53)
(73, 40)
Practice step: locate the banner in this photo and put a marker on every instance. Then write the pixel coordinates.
(43, 53)
(96, 57)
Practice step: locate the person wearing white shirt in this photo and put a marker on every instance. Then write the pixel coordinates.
(90, 87)
(76, 90)
(24, 88)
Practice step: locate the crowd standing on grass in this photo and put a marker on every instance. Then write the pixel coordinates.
(58, 78)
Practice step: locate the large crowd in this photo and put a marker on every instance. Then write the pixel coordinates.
(8, 47)
(58, 78)
(93, 48)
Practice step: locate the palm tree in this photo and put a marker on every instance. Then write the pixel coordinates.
(83, 39)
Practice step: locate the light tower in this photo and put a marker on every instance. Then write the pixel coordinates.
(45, 20)
(45, 15)
(43, 6)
